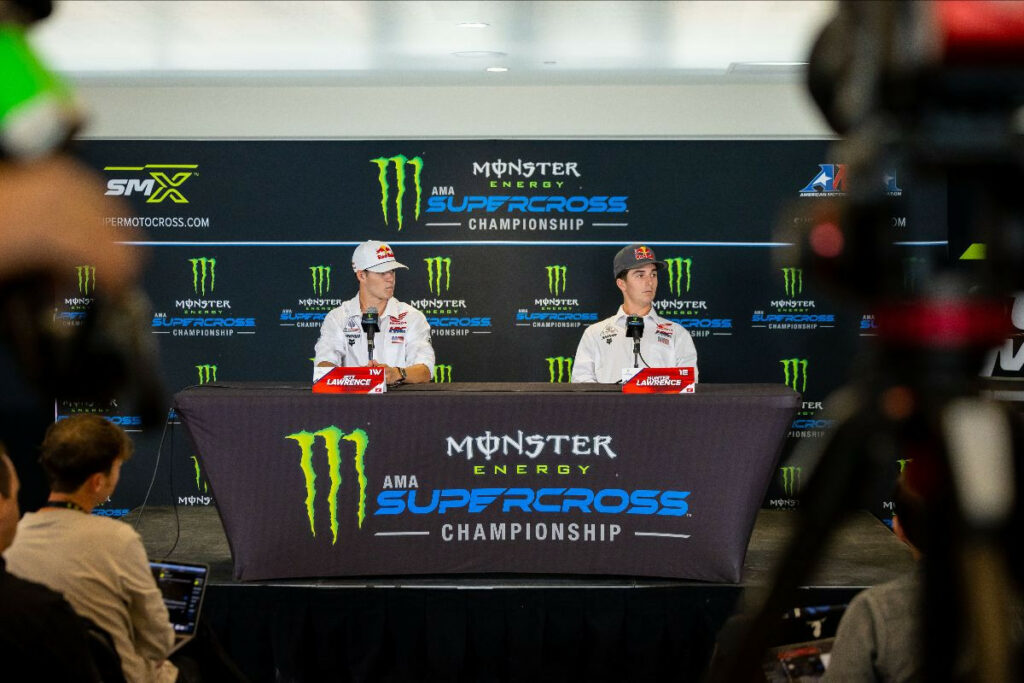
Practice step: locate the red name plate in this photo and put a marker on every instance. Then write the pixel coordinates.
(661, 381)
(352, 381)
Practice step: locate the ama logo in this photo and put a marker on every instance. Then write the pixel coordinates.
(830, 180)
(332, 439)
(164, 181)
(399, 162)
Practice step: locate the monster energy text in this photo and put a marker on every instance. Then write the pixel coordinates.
(525, 169)
(332, 438)
(400, 161)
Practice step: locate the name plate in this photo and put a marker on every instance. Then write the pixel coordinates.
(344, 380)
(659, 381)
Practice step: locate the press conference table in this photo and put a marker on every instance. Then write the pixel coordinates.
(476, 478)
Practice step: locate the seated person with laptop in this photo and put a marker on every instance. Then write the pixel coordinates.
(606, 348)
(99, 564)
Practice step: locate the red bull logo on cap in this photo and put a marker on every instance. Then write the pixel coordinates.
(384, 252)
(643, 253)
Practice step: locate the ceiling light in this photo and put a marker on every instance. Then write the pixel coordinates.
(473, 24)
(471, 54)
(496, 69)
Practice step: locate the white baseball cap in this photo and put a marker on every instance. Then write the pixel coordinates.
(376, 257)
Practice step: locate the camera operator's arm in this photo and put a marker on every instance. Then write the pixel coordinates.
(52, 218)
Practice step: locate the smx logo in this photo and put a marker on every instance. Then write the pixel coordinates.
(830, 178)
(332, 438)
(902, 463)
(165, 182)
(201, 485)
(321, 279)
(438, 267)
(86, 279)
(791, 480)
(559, 369)
(795, 372)
(207, 373)
(676, 268)
(793, 281)
(442, 374)
(399, 161)
(201, 268)
(556, 279)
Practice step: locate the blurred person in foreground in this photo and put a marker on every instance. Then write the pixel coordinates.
(99, 564)
(41, 637)
(879, 635)
(53, 217)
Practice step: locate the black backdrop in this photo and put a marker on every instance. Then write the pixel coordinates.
(509, 256)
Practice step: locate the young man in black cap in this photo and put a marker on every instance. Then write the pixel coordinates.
(606, 349)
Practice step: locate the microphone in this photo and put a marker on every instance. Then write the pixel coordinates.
(635, 329)
(371, 326)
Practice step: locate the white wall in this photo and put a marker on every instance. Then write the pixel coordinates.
(318, 111)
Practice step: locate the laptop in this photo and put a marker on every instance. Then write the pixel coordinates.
(183, 585)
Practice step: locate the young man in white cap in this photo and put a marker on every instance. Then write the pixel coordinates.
(606, 349)
(402, 346)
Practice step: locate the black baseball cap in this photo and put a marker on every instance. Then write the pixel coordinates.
(634, 256)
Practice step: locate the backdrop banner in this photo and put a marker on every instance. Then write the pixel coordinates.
(509, 245)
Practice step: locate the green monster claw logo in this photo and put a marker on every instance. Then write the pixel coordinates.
(400, 161)
(793, 279)
(559, 369)
(442, 374)
(791, 480)
(201, 267)
(200, 484)
(321, 279)
(207, 373)
(438, 266)
(676, 267)
(332, 438)
(556, 279)
(902, 463)
(86, 279)
(795, 371)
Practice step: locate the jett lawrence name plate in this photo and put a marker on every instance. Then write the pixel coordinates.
(660, 381)
(343, 380)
